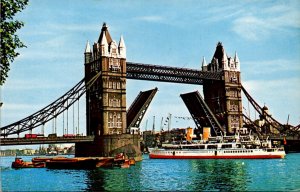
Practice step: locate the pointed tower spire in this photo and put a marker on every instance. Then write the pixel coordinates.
(225, 61)
(237, 62)
(236, 58)
(204, 65)
(87, 53)
(88, 48)
(221, 56)
(122, 48)
(103, 40)
(204, 62)
(104, 31)
(121, 42)
(103, 45)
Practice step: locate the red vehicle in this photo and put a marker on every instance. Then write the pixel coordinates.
(69, 135)
(29, 136)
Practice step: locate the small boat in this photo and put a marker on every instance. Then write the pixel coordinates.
(125, 164)
(227, 147)
(131, 161)
(122, 162)
(19, 163)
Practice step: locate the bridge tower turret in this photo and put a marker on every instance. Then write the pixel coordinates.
(224, 97)
(106, 98)
(88, 56)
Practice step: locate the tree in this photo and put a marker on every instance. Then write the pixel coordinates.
(9, 40)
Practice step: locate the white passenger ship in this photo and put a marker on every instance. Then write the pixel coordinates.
(244, 147)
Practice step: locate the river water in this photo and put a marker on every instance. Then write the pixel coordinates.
(162, 175)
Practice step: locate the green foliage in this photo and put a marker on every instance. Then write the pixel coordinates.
(9, 40)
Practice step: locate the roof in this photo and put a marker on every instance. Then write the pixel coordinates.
(220, 53)
(107, 35)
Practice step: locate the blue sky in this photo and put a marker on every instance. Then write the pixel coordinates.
(265, 34)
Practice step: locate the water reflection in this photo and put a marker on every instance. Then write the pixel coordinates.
(229, 175)
(184, 175)
(115, 179)
(161, 175)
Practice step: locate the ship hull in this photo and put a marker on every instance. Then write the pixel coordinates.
(216, 154)
(153, 156)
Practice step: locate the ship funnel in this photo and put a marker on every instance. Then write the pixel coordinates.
(206, 133)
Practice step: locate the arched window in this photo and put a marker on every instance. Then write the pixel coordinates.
(114, 120)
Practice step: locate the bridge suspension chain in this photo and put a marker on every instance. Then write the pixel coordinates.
(51, 111)
(280, 127)
(259, 109)
(251, 125)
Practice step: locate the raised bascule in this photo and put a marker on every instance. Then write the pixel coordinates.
(111, 129)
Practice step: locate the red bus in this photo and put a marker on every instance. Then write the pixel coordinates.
(29, 136)
(68, 135)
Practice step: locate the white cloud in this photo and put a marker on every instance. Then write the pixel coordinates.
(270, 66)
(281, 96)
(250, 28)
(32, 84)
(54, 28)
(12, 112)
(150, 18)
(21, 107)
(261, 22)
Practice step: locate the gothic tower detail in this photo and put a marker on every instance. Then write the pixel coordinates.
(106, 99)
(224, 97)
(88, 53)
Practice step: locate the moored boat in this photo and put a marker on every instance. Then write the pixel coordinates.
(78, 163)
(220, 148)
(19, 163)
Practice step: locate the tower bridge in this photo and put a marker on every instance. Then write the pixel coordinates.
(108, 123)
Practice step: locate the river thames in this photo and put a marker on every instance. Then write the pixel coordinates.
(161, 175)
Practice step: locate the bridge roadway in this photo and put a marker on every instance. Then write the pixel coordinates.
(45, 140)
(78, 139)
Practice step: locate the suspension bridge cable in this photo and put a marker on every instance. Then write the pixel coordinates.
(51, 111)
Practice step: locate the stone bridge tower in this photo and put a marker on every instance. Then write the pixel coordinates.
(224, 97)
(106, 100)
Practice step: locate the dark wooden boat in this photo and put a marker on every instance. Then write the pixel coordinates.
(78, 163)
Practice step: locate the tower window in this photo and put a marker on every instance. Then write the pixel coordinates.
(234, 121)
(114, 120)
(114, 102)
(114, 64)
